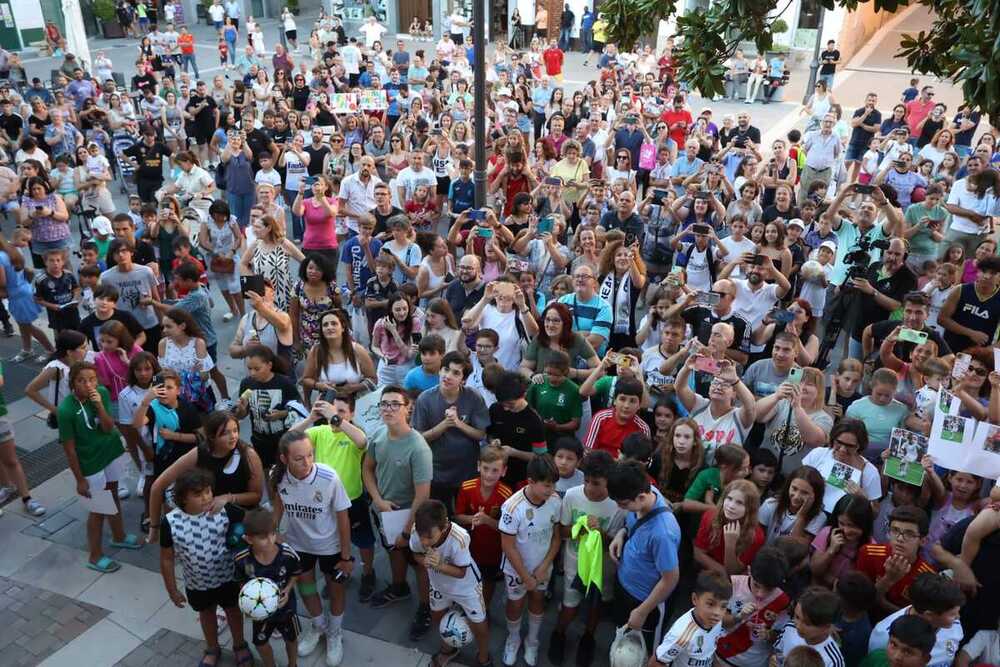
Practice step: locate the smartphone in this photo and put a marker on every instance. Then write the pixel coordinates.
(38, 208)
(477, 215)
(707, 298)
(157, 380)
(962, 363)
(436, 132)
(899, 163)
(782, 316)
(706, 364)
(310, 180)
(701, 229)
(253, 284)
(416, 338)
(795, 376)
(485, 232)
(659, 196)
(631, 119)
(553, 180)
(758, 260)
(864, 189)
(545, 225)
(913, 336)
(619, 359)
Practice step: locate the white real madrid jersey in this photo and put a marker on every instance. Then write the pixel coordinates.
(532, 525)
(311, 507)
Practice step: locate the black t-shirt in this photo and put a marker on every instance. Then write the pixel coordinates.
(141, 83)
(91, 325)
(316, 158)
(275, 394)
(739, 136)
(518, 430)
(258, 141)
(771, 213)
(300, 97)
(859, 135)
(205, 119)
(903, 349)
(895, 286)
(281, 570)
(980, 612)
(13, 125)
(59, 291)
(702, 319)
(150, 159)
(380, 219)
(828, 68)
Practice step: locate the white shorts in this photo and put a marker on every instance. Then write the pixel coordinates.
(113, 472)
(572, 597)
(516, 589)
(472, 605)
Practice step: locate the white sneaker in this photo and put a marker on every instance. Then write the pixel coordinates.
(334, 647)
(6, 493)
(123, 492)
(510, 649)
(34, 508)
(140, 485)
(531, 654)
(228, 317)
(308, 639)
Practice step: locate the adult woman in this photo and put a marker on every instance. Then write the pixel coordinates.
(71, 347)
(896, 120)
(393, 340)
(397, 160)
(437, 268)
(802, 327)
(222, 240)
(746, 204)
(496, 310)
(620, 169)
(39, 119)
(848, 439)
(697, 208)
(261, 90)
(182, 349)
(194, 186)
(240, 99)
(315, 293)
(264, 323)
(119, 113)
(237, 472)
(547, 257)
(939, 146)
(818, 106)
(268, 256)
(971, 210)
(237, 158)
(336, 363)
(586, 250)
(622, 277)
(319, 213)
(440, 320)
(295, 160)
(172, 119)
(93, 449)
(678, 459)
(795, 420)
(47, 218)
(773, 245)
(780, 169)
(267, 202)
(557, 335)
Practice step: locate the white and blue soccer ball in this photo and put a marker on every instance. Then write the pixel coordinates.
(259, 598)
(455, 630)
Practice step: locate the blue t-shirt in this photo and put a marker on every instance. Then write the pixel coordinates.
(462, 195)
(417, 379)
(592, 316)
(649, 552)
(199, 304)
(354, 254)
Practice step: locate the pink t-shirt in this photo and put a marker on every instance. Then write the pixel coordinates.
(842, 563)
(112, 372)
(320, 231)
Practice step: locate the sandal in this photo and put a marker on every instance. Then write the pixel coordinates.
(243, 656)
(104, 565)
(130, 542)
(211, 653)
(440, 659)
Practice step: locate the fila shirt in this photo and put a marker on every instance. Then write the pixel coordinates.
(454, 550)
(311, 507)
(688, 644)
(531, 525)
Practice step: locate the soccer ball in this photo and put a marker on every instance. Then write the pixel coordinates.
(628, 649)
(259, 598)
(455, 629)
(811, 270)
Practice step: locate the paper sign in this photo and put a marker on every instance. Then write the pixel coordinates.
(373, 100)
(100, 502)
(950, 442)
(836, 475)
(906, 448)
(393, 523)
(985, 456)
(344, 103)
(366, 413)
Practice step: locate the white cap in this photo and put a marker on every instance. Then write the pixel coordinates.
(501, 92)
(797, 222)
(101, 225)
(829, 244)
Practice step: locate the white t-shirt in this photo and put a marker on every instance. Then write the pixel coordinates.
(946, 640)
(311, 507)
(960, 196)
(716, 431)
(688, 643)
(508, 353)
(938, 297)
(735, 249)
(531, 525)
(409, 179)
(753, 306)
(271, 177)
(984, 647)
(475, 381)
(454, 550)
(815, 293)
(652, 359)
(372, 32)
(351, 56)
(217, 13)
(775, 527)
(828, 649)
(698, 275)
(576, 504)
(868, 479)
(295, 169)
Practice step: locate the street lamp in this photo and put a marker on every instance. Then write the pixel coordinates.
(479, 98)
(814, 65)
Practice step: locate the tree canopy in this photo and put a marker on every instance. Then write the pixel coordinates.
(963, 43)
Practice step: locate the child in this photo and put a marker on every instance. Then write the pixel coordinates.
(173, 426)
(425, 376)
(879, 411)
(267, 174)
(89, 275)
(422, 209)
(757, 603)
(798, 509)
(135, 212)
(955, 498)
(197, 536)
(983, 648)
(731, 463)
(814, 287)
(184, 254)
(908, 527)
(117, 348)
(937, 599)
(477, 509)
(589, 500)
(911, 639)
(268, 559)
(870, 161)
(857, 595)
(530, 542)
(736, 512)
(664, 416)
(141, 370)
(692, 638)
(414, 30)
(910, 94)
(443, 548)
(461, 192)
(945, 280)
(835, 547)
(815, 613)
(90, 255)
(639, 448)
(567, 453)
(379, 289)
(679, 458)
(763, 468)
(223, 53)
(844, 387)
(557, 399)
(21, 299)
(610, 426)
(58, 292)
(105, 310)
(737, 242)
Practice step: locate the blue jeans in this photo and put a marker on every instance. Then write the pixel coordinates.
(298, 224)
(565, 37)
(855, 350)
(239, 207)
(828, 79)
(232, 52)
(187, 58)
(586, 41)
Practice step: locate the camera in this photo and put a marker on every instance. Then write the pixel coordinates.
(859, 260)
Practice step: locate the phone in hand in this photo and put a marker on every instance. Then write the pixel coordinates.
(782, 316)
(701, 229)
(706, 364)
(619, 359)
(795, 376)
(707, 298)
(758, 260)
(477, 214)
(416, 338)
(658, 197)
(864, 189)
(553, 180)
(913, 336)
(485, 232)
(961, 366)
(310, 180)
(253, 284)
(545, 225)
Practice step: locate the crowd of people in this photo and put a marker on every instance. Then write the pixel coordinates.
(616, 372)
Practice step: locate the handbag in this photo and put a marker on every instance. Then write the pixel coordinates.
(220, 264)
(51, 420)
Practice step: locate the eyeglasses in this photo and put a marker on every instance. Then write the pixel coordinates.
(907, 535)
(390, 406)
(337, 140)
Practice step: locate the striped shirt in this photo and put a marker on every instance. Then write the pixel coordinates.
(606, 433)
(688, 643)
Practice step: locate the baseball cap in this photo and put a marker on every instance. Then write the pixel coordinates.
(829, 244)
(101, 225)
(797, 222)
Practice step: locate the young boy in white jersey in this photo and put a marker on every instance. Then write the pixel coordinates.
(591, 500)
(442, 547)
(814, 288)
(815, 613)
(945, 280)
(691, 639)
(530, 543)
(312, 499)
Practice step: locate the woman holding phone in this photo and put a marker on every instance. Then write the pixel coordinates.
(319, 214)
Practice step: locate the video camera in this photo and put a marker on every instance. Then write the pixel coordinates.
(859, 260)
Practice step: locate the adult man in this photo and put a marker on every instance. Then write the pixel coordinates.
(372, 30)
(918, 109)
(541, 94)
(703, 319)
(63, 139)
(417, 173)
(970, 315)
(397, 473)
(357, 193)
(592, 315)
(317, 151)
(377, 147)
(11, 126)
(822, 154)
(865, 123)
(351, 58)
(138, 289)
(756, 295)
(898, 176)
(625, 217)
(916, 308)
(830, 59)
(79, 90)
(553, 57)
(464, 293)
(453, 420)
(968, 227)
(185, 42)
(678, 120)
(743, 133)
(217, 13)
(938, 600)
(233, 11)
(205, 112)
(384, 210)
(686, 164)
(648, 567)
(862, 229)
(566, 22)
(556, 138)
(148, 156)
(881, 290)
(39, 90)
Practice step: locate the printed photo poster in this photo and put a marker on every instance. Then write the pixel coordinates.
(373, 100)
(906, 448)
(836, 475)
(985, 456)
(951, 442)
(947, 402)
(366, 412)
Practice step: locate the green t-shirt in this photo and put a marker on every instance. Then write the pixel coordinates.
(879, 658)
(540, 354)
(95, 448)
(562, 404)
(339, 452)
(921, 243)
(709, 479)
(603, 389)
(400, 465)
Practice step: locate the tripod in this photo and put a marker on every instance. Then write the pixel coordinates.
(842, 312)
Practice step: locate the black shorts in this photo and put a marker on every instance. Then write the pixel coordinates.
(286, 622)
(224, 596)
(292, 35)
(327, 563)
(490, 572)
(443, 185)
(362, 535)
(622, 606)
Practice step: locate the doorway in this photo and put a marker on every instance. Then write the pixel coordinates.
(413, 8)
